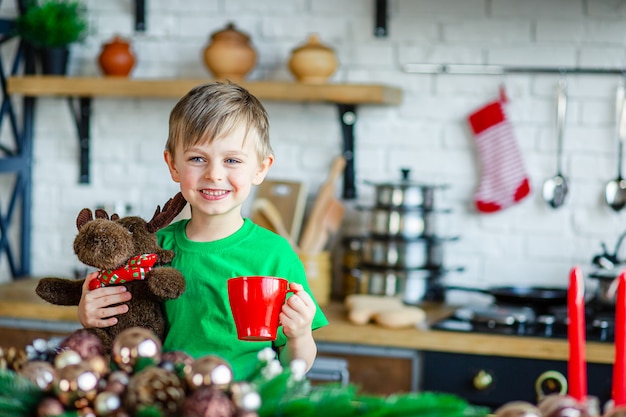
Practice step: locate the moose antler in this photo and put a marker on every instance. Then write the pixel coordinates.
(102, 214)
(85, 216)
(171, 209)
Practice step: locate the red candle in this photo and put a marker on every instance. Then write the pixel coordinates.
(619, 368)
(576, 366)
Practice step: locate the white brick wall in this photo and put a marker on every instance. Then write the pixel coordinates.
(427, 132)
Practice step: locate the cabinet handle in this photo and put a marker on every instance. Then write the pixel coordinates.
(482, 380)
(550, 382)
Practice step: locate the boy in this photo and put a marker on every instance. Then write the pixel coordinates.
(217, 149)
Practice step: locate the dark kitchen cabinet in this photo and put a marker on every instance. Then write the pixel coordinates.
(493, 380)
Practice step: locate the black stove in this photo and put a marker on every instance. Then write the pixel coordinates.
(515, 320)
(492, 380)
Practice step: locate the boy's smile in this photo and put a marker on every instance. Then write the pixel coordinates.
(216, 193)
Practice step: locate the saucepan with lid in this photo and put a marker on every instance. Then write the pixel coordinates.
(404, 193)
(395, 252)
(410, 284)
(404, 223)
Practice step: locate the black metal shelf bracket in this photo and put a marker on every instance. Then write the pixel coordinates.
(140, 15)
(347, 118)
(380, 29)
(81, 110)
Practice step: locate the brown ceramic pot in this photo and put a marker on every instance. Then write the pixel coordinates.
(116, 58)
(229, 54)
(313, 62)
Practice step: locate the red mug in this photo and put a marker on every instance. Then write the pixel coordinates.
(256, 303)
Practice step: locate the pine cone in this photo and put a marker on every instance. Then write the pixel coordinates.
(12, 358)
(155, 387)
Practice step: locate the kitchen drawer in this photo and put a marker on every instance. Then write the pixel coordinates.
(493, 380)
(376, 370)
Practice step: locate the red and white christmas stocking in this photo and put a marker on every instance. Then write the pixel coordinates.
(503, 180)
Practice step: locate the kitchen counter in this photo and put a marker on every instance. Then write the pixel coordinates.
(342, 331)
(19, 303)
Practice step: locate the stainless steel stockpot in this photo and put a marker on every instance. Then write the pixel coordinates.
(404, 196)
(410, 285)
(395, 253)
(406, 224)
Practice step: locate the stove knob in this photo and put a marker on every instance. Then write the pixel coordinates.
(602, 325)
(550, 382)
(482, 380)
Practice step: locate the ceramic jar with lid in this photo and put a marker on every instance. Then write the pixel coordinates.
(229, 54)
(313, 62)
(116, 58)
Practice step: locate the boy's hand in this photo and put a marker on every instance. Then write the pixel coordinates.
(96, 307)
(297, 313)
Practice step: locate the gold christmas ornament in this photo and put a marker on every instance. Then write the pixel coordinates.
(67, 357)
(207, 371)
(50, 407)
(86, 412)
(106, 403)
(76, 385)
(41, 373)
(179, 360)
(99, 364)
(245, 396)
(134, 345)
(117, 382)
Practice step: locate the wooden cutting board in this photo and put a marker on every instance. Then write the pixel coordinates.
(289, 197)
(326, 214)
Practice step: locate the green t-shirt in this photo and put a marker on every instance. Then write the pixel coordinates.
(200, 321)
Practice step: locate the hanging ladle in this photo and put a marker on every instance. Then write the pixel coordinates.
(555, 188)
(615, 192)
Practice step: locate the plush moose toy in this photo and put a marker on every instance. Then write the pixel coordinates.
(126, 252)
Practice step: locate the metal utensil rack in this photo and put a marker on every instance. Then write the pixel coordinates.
(490, 69)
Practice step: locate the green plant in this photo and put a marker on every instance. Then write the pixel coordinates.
(53, 23)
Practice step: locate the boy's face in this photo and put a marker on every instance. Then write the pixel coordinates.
(216, 178)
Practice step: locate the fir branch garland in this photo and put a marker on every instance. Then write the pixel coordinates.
(282, 395)
(18, 396)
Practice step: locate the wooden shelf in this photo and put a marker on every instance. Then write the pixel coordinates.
(82, 89)
(176, 88)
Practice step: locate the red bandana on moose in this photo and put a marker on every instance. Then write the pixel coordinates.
(135, 269)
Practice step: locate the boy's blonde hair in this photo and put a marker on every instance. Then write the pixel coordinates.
(213, 110)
